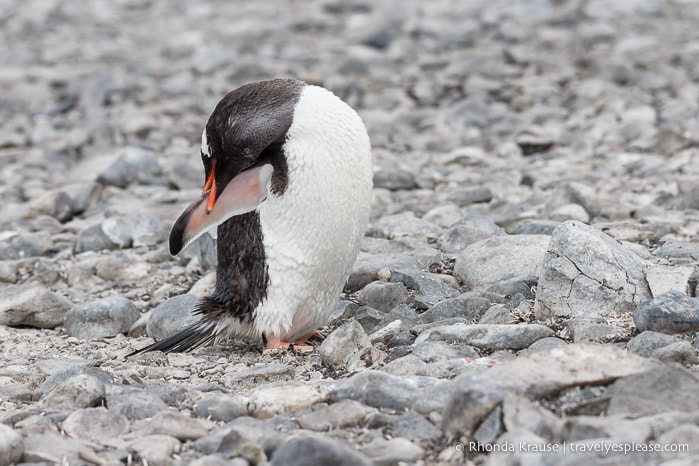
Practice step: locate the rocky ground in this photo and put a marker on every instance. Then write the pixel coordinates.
(524, 294)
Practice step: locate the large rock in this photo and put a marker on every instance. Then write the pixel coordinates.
(536, 374)
(587, 274)
(500, 258)
(171, 316)
(31, 305)
(11, 445)
(341, 344)
(488, 336)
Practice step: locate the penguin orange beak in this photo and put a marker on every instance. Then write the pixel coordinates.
(241, 195)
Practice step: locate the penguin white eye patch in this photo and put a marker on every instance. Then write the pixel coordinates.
(241, 195)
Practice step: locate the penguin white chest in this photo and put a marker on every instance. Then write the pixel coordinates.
(312, 231)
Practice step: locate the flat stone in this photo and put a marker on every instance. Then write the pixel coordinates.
(132, 165)
(467, 307)
(661, 389)
(155, 449)
(431, 351)
(488, 336)
(663, 278)
(382, 295)
(590, 331)
(367, 266)
(96, 424)
(681, 352)
(342, 343)
(403, 224)
(105, 317)
(588, 274)
(389, 452)
(221, 407)
(381, 390)
(53, 449)
(175, 424)
(31, 305)
(317, 451)
(500, 258)
(415, 427)
(11, 445)
(135, 404)
(535, 374)
(280, 398)
(258, 374)
(428, 290)
(672, 312)
(648, 341)
(79, 391)
(336, 416)
(474, 227)
(520, 413)
(171, 316)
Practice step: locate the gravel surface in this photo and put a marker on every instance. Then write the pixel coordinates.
(525, 293)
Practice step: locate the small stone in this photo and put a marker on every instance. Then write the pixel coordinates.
(589, 331)
(367, 266)
(474, 227)
(488, 336)
(383, 296)
(498, 314)
(381, 390)
(546, 344)
(681, 352)
(342, 414)
(317, 451)
(175, 424)
(135, 404)
(155, 449)
(670, 313)
(235, 443)
(431, 351)
(535, 227)
(468, 307)
(645, 343)
(414, 427)
(55, 203)
(79, 391)
(279, 398)
(31, 305)
(663, 278)
(132, 165)
(11, 445)
(394, 451)
(258, 374)
(404, 224)
(53, 449)
(96, 424)
(658, 390)
(394, 179)
(172, 316)
(221, 408)
(500, 258)
(520, 413)
(464, 197)
(105, 317)
(341, 344)
(93, 238)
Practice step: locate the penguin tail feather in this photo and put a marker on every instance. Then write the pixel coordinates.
(188, 339)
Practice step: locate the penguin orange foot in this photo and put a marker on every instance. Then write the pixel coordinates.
(288, 185)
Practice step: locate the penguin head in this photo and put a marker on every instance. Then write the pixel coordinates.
(242, 154)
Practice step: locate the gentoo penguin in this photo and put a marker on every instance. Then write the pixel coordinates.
(288, 173)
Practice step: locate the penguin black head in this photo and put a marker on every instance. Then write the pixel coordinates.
(242, 153)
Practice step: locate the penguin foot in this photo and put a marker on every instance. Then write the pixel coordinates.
(299, 345)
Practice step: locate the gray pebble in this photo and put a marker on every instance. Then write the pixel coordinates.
(367, 267)
(175, 424)
(681, 352)
(132, 165)
(336, 416)
(31, 305)
(105, 317)
(79, 391)
(648, 341)
(488, 336)
(497, 314)
(171, 316)
(535, 227)
(96, 424)
(464, 197)
(382, 295)
(313, 451)
(467, 307)
(474, 227)
(546, 344)
(405, 224)
(55, 203)
(500, 258)
(53, 449)
(590, 331)
(134, 403)
(672, 312)
(155, 449)
(11, 445)
(394, 179)
(341, 344)
(665, 388)
(414, 427)
(394, 451)
(220, 407)
(430, 351)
